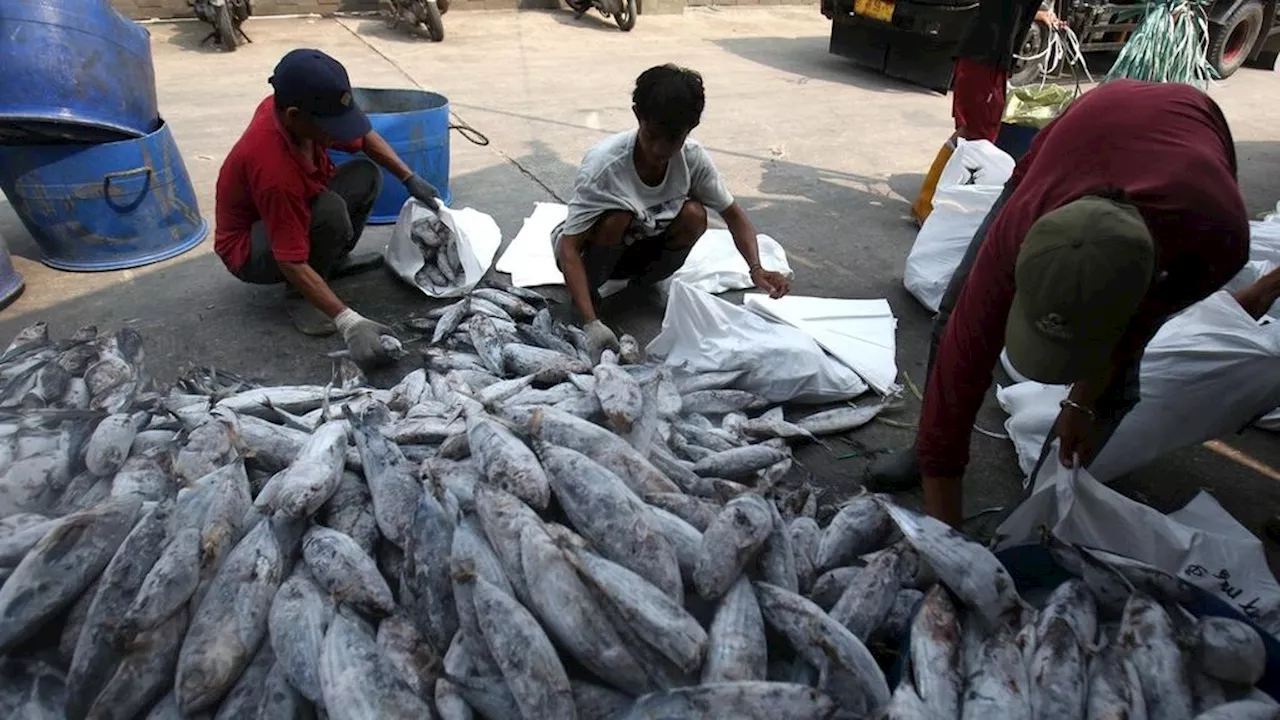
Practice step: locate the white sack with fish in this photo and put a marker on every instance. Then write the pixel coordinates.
(1200, 543)
(444, 254)
(701, 333)
(969, 185)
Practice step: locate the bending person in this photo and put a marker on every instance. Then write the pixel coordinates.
(1125, 210)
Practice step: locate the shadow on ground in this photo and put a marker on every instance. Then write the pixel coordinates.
(808, 57)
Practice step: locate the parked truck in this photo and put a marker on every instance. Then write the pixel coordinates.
(916, 40)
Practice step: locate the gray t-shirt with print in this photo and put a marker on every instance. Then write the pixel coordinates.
(607, 180)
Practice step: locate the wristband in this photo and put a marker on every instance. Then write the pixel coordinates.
(346, 320)
(1073, 405)
(752, 269)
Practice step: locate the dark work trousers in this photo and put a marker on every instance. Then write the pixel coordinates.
(645, 261)
(338, 217)
(1117, 400)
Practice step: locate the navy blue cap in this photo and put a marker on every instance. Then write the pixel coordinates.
(318, 85)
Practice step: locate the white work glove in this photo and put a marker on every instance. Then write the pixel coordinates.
(364, 338)
(599, 338)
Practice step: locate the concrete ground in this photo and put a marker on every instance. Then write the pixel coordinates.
(824, 156)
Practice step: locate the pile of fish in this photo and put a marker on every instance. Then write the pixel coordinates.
(513, 531)
(441, 268)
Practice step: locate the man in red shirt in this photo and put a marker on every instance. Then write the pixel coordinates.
(286, 214)
(1125, 211)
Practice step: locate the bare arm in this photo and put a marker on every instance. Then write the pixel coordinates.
(744, 234)
(313, 287)
(1261, 295)
(575, 276)
(381, 152)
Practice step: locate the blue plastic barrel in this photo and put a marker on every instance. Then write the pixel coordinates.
(415, 123)
(11, 282)
(104, 207)
(74, 70)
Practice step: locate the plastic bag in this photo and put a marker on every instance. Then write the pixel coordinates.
(1208, 372)
(445, 258)
(1037, 105)
(859, 333)
(701, 333)
(714, 265)
(1200, 543)
(969, 185)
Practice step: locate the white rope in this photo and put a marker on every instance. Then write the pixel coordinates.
(1062, 45)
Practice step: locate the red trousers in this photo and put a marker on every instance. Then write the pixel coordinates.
(977, 99)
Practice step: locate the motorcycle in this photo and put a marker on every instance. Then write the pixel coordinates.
(225, 16)
(623, 12)
(414, 13)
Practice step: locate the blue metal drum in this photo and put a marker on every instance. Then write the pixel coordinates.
(104, 207)
(74, 70)
(415, 123)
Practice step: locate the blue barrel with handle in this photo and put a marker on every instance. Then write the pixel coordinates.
(415, 123)
(104, 207)
(74, 70)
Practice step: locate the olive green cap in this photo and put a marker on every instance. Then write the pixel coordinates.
(1081, 274)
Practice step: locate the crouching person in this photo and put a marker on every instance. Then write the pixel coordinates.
(641, 198)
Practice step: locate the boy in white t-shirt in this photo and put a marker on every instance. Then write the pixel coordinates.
(640, 201)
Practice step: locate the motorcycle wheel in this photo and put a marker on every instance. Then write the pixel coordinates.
(444, 6)
(226, 28)
(431, 18)
(627, 18)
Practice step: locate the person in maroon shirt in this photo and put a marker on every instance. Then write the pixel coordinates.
(286, 214)
(1125, 210)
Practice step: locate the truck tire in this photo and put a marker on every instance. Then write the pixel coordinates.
(1232, 40)
(1026, 72)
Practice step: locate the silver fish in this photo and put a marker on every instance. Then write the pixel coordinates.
(736, 649)
(719, 402)
(526, 656)
(359, 682)
(503, 517)
(659, 621)
(564, 430)
(307, 483)
(685, 539)
(279, 698)
(169, 583)
(869, 596)
(696, 511)
(1230, 650)
(298, 620)
(935, 654)
(1072, 602)
(222, 522)
(830, 586)
(714, 380)
(840, 420)
(747, 700)
(730, 543)
(32, 690)
(487, 342)
(98, 647)
(513, 306)
(806, 536)
(897, 623)
(349, 510)
(1057, 672)
(507, 462)
(393, 485)
(450, 320)
(426, 573)
(616, 522)
(1242, 710)
(60, 566)
(340, 567)
(1115, 689)
(572, 616)
(967, 568)
(409, 653)
(230, 622)
(858, 528)
(145, 672)
(1147, 631)
(109, 445)
(850, 674)
(997, 682)
(738, 463)
(547, 366)
(449, 702)
(619, 395)
(596, 702)
(777, 557)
